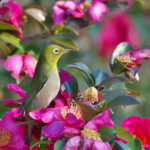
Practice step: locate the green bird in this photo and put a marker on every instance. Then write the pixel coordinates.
(45, 84)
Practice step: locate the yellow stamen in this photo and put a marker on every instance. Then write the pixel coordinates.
(72, 109)
(91, 95)
(5, 137)
(90, 134)
(125, 59)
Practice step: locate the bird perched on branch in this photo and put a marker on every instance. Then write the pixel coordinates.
(45, 84)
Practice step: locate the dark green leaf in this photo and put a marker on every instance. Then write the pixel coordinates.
(134, 144)
(123, 100)
(72, 86)
(123, 134)
(4, 106)
(58, 29)
(113, 94)
(59, 144)
(106, 84)
(121, 145)
(67, 42)
(10, 38)
(100, 76)
(115, 66)
(39, 142)
(88, 112)
(7, 26)
(107, 134)
(85, 72)
(4, 50)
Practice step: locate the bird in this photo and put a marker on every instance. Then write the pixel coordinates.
(45, 84)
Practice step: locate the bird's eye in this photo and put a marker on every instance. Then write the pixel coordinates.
(56, 51)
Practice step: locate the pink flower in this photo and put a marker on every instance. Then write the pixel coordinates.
(64, 9)
(11, 136)
(136, 57)
(18, 91)
(12, 13)
(139, 127)
(97, 11)
(117, 28)
(20, 64)
(88, 137)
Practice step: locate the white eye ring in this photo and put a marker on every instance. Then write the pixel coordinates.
(56, 51)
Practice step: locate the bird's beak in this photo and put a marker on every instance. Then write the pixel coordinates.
(67, 50)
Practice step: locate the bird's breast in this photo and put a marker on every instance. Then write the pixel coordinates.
(48, 92)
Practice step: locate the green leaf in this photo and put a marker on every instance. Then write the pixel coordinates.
(123, 100)
(59, 144)
(58, 29)
(115, 66)
(121, 145)
(100, 76)
(26, 123)
(10, 38)
(88, 112)
(107, 134)
(72, 86)
(64, 41)
(85, 72)
(134, 144)
(123, 134)
(4, 50)
(39, 142)
(106, 84)
(7, 26)
(4, 106)
(113, 94)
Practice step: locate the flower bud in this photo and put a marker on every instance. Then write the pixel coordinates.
(91, 95)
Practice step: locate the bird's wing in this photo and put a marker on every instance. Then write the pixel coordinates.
(38, 82)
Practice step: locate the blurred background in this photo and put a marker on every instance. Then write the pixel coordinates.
(96, 43)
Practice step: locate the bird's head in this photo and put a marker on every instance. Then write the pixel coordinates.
(52, 53)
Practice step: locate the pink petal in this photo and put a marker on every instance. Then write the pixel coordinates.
(29, 65)
(97, 11)
(14, 64)
(102, 119)
(73, 143)
(46, 115)
(15, 12)
(100, 145)
(130, 122)
(58, 14)
(53, 130)
(16, 89)
(64, 76)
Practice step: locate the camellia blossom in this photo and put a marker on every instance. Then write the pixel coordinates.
(11, 136)
(133, 58)
(20, 64)
(139, 127)
(88, 137)
(97, 11)
(63, 9)
(12, 13)
(117, 28)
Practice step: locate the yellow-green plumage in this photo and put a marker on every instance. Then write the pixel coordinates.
(45, 84)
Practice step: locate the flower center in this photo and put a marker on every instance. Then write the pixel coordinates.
(125, 59)
(91, 134)
(5, 137)
(72, 109)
